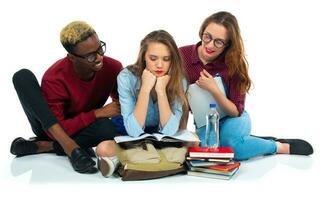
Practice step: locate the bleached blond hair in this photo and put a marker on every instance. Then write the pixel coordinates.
(75, 32)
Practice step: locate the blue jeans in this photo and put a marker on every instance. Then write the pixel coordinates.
(235, 132)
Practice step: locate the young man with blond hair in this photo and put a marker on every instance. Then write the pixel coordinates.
(67, 112)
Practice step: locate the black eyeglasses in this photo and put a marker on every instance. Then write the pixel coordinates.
(219, 43)
(91, 57)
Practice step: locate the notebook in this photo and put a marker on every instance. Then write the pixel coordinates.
(199, 100)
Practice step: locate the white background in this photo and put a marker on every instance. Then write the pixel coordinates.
(283, 45)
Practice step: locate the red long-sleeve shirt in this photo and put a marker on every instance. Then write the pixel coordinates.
(73, 100)
(193, 66)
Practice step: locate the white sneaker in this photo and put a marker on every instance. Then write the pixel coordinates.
(107, 165)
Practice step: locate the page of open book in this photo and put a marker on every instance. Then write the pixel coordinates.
(182, 135)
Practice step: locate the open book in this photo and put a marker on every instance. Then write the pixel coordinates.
(199, 100)
(180, 136)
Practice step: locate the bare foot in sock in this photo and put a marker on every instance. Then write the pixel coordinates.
(283, 148)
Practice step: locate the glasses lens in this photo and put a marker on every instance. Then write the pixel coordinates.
(206, 37)
(91, 57)
(102, 49)
(219, 43)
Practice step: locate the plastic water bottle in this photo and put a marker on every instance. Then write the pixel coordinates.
(212, 127)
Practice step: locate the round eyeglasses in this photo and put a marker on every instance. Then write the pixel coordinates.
(219, 43)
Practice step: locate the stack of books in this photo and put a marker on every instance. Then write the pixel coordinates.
(212, 162)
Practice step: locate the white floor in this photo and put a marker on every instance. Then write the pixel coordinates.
(50, 176)
(286, 176)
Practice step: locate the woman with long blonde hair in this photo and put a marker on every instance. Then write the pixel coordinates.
(151, 94)
(152, 89)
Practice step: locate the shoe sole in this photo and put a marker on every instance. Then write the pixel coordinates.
(104, 167)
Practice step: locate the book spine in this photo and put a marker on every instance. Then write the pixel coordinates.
(211, 155)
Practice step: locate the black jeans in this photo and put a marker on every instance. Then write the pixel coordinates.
(41, 118)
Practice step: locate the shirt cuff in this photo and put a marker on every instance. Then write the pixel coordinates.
(88, 118)
(133, 127)
(171, 127)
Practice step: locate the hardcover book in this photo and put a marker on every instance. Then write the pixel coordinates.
(201, 163)
(211, 152)
(217, 160)
(209, 175)
(213, 171)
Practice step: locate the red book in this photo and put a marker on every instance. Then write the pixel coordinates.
(211, 152)
(225, 167)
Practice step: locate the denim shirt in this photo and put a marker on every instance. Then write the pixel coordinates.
(128, 88)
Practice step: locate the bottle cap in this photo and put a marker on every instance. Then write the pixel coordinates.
(212, 105)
